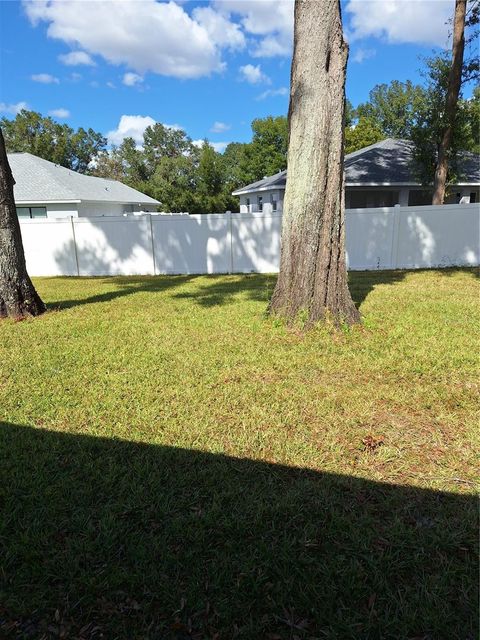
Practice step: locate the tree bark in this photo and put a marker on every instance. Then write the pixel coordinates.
(18, 297)
(454, 83)
(313, 275)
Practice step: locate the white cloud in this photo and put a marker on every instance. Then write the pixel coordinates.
(273, 46)
(253, 74)
(75, 58)
(130, 127)
(111, 85)
(146, 35)
(270, 21)
(13, 108)
(132, 79)
(75, 77)
(360, 55)
(220, 127)
(270, 93)
(222, 31)
(400, 21)
(44, 78)
(218, 146)
(59, 113)
(134, 127)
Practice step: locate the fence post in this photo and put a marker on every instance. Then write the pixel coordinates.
(153, 244)
(75, 245)
(230, 232)
(397, 209)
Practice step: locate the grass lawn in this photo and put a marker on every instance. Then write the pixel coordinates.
(175, 465)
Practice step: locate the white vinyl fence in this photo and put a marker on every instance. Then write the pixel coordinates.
(388, 238)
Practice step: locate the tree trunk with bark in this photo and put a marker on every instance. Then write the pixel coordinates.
(18, 297)
(313, 274)
(454, 83)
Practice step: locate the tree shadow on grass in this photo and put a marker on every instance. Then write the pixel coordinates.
(225, 290)
(361, 283)
(220, 290)
(119, 287)
(211, 290)
(216, 290)
(109, 539)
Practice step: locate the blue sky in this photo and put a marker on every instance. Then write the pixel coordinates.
(209, 67)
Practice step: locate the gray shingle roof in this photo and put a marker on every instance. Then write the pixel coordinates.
(269, 182)
(38, 180)
(387, 162)
(391, 162)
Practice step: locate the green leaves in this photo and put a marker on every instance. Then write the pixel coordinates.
(31, 132)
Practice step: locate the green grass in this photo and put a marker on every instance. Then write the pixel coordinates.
(174, 465)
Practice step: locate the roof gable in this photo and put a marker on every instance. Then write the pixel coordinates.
(277, 181)
(38, 180)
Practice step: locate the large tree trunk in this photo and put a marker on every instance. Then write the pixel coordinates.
(454, 83)
(18, 298)
(313, 275)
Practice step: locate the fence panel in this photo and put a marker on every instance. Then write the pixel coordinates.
(438, 236)
(256, 242)
(110, 246)
(369, 238)
(396, 237)
(192, 244)
(49, 247)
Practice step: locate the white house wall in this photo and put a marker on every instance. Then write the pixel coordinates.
(382, 238)
(99, 209)
(94, 209)
(249, 203)
(86, 209)
(61, 210)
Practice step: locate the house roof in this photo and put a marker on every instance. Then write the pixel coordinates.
(38, 180)
(389, 162)
(277, 181)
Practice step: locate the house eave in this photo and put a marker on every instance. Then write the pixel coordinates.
(406, 184)
(350, 185)
(383, 184)
(21, 202)
(42, 202)
(242, 192)
(145, 202)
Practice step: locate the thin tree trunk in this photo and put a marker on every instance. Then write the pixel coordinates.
(18, 297)
(454, 83)
(313, 275)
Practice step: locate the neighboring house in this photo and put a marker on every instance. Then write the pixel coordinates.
(47, 190)
(380, 175)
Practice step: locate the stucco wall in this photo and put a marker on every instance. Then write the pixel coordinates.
(97, 209)
(62, 210)
(87, 209)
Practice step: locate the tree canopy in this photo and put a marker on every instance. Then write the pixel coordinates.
(44, 137)
(185, 176)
